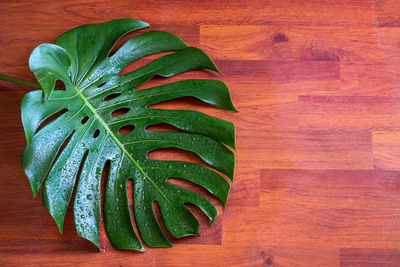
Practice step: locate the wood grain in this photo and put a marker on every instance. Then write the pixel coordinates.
(317, 179)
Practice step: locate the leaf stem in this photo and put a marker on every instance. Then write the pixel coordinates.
(7, 78)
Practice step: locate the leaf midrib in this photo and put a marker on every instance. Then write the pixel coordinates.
(121, 146)
(111, 134)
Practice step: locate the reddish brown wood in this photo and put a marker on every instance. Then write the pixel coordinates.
(317, 181)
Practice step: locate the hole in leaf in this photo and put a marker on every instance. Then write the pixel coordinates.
(51, 118)
(64, 144)
(208, 235)
(119, 112)
(60, 85)
(96, 133)
(125, 38)
(100, 85)
(85, 119)
(195, 188)
(134, 66)
(175, 154)
(157, 213)
(130, 189)
(126, 129)
(159, 80)
(184, 103)
(163, 127)
(112, 96)
(78, 175)
(104, 179)
(142, 62)
(68, 223)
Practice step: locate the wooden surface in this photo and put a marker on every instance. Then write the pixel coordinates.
(317, 181)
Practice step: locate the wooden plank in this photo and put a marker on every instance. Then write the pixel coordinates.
(286, 12)
(369, 79)
(305, 150)
(300, 43)
(355, 257)
(386, 147)
(348, 113)
(386, 13)
(328, 209)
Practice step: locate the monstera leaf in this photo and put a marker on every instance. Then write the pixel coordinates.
(72, 150)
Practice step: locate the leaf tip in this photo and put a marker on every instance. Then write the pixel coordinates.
(234, 142)
(213, 65)
(224, 200)
(217, 70)
(212, 220)
(231, 173)
(46, 96)
(136, 24)
(60, 224)
(34, 190)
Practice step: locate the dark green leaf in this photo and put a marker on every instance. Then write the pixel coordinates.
(72, 149)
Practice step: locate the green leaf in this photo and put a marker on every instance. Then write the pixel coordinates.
(71, 150)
